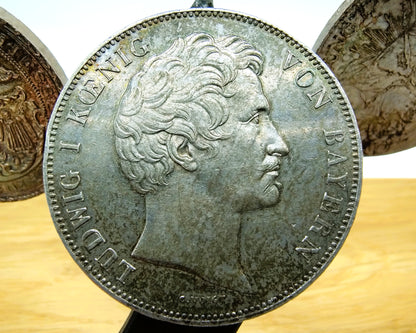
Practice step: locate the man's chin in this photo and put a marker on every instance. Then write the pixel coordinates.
(271, 195)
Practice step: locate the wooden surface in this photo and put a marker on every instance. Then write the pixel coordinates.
(369, 287)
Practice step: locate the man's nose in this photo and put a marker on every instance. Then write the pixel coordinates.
(275, 143)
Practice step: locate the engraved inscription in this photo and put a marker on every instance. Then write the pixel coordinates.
(307, 248)
(138, 47)
(93, 87)
(124, 58)
(306, 78)
(128, 268)
(91, 239)
(106, 72)
(70, 181)
(332, 200)
(78, 116)
(107, 258)
(73, 147)
(290, 61)
(201, 299)
(89, 94)
(321, 97)
(79, 219)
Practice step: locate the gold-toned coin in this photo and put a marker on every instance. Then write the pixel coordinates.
(30, 82)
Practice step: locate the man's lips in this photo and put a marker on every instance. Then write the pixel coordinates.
(271, 166)
(273, 173)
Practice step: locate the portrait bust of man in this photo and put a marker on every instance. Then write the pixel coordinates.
(194, 137)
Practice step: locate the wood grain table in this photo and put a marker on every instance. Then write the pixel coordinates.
(369, 287)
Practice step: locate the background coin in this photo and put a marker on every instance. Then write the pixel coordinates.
(369, 44)
(30, 82)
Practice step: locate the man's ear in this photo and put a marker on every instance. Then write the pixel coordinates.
(180, 152)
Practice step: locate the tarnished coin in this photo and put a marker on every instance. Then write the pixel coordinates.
(370, 46)
(30, 82)
(202, 167)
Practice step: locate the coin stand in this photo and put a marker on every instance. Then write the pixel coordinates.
(138, 323)
(203, 4)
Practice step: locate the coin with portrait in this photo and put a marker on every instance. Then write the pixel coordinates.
(203, 167)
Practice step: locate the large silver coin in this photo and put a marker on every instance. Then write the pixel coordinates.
(369, 44)
(30, 82)
(203, 167)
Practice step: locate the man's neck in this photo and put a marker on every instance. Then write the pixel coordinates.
(188, 230)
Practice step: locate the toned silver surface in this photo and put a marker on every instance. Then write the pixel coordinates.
(370, 46)
(202, 167)
(30, 82)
